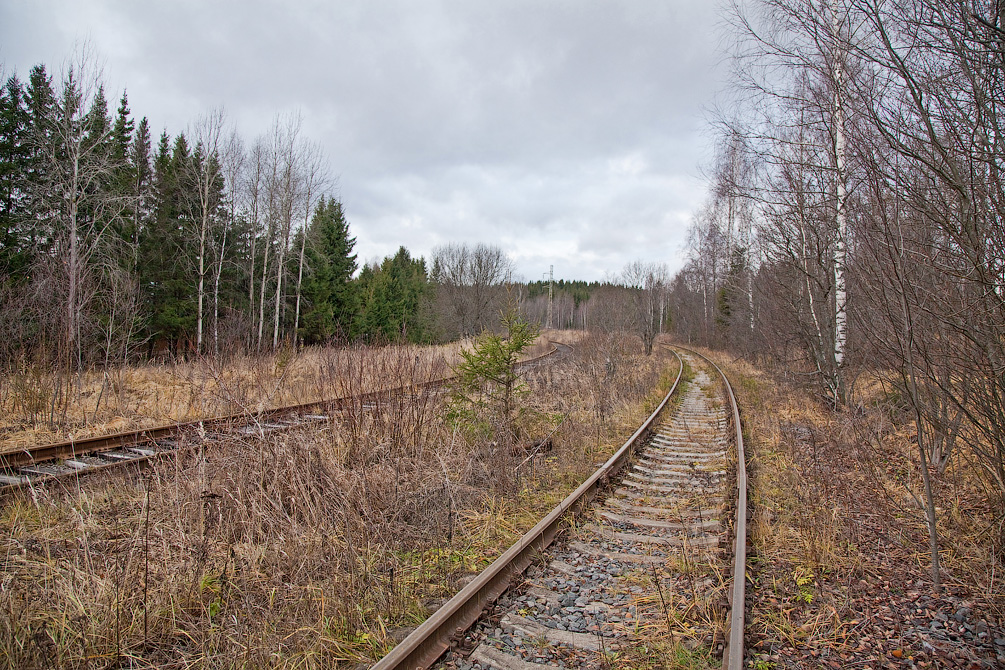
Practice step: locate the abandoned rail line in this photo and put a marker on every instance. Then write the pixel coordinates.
(576, 587)
(75, 458)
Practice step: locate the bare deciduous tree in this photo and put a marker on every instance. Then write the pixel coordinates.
(232, 159)
(470, 286)
(73, 150)
(206, 175)
(650, 286)
(254, 185)
(284, 198)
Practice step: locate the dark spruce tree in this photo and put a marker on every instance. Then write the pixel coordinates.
(141, 198)
(328, 290)
(121, 178)
(40, 195)
(15, 241)
(395, 300)
(100, 213)
(165, 271)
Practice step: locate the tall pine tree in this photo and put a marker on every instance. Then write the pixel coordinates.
(121, 179)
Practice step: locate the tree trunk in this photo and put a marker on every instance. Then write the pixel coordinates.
(280, 268)
(216, 294)
(265, 276)
(201, 286)
(300, 280)
(840, 178)
(933, 530)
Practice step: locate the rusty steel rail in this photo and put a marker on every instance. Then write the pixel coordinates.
(432, 638)
(732, 657)
(90, 445)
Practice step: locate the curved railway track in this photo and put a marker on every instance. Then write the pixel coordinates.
(32, 465)
(675, 521)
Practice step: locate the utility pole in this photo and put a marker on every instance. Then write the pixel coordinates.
(551, 292)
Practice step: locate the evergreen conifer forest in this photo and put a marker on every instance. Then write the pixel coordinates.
(117, 246)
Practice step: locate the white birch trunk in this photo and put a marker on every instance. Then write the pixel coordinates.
(265, 275)
(271, 213)
(255, 194)
(207, 133)
(201, 286)
(300, 280)
(280, 266)
(315, 178)
(840, 177)
(216, 293)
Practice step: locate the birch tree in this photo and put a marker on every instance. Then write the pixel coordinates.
(255, 187)
(732, 186)
(71, 147)
(932, 113)
(837, 70)
(206, 175)
(708, 247)
(233, 160)
(470, 286)
(285, 199)
(793, 65)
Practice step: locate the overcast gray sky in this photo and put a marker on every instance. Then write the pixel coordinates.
(566, 132)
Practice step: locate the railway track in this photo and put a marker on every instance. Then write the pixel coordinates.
(74, 458)
(657, 543)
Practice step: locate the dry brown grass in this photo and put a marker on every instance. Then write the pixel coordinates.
(313, 547)
(37, 407)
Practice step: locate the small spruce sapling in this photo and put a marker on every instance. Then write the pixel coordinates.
(487, 379)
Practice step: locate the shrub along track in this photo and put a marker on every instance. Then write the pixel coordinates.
(648, 554)
(35, 465)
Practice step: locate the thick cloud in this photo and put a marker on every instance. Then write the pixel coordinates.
(568, 132)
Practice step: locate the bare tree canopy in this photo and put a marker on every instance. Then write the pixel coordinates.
(649, 284)
(871, 144)
(470, 284)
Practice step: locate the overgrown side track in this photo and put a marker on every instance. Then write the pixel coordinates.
(24, 467)
(655, 536)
